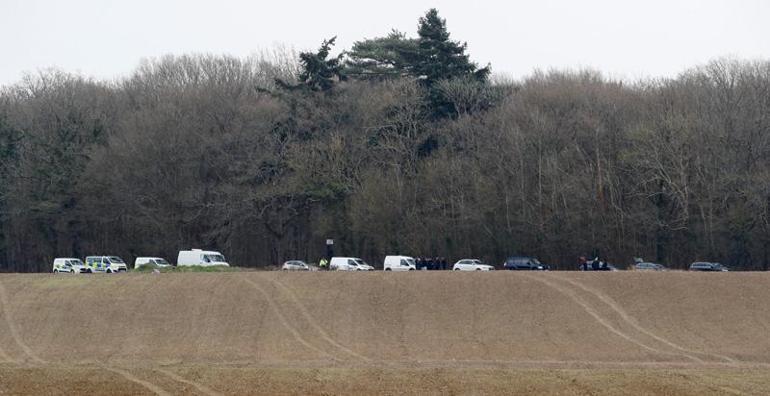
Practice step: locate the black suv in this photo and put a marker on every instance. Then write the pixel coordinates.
(524, 263)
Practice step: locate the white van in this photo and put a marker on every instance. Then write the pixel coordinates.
(156, 261)
(108, 264)
(399, 263)
(349, 264)
(70, 265)
(200, 257)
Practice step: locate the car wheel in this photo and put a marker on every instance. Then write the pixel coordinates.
(478, 269)
(109, 271)
(387, 269)
(456, 269)
(55, 271)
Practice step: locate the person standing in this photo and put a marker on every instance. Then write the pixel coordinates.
(322, 264)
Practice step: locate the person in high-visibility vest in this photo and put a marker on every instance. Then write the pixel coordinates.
(323, 263)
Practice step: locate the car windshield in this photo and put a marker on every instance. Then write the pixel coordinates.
(76, 262)
(360, 262)
(410, 262)
(215, 258)
(161, 261)
(116, 260)
(536, 261)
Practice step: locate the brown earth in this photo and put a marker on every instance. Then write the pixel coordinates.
(389, 333)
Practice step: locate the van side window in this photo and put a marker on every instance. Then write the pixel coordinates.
(404, 263)
(351, 262)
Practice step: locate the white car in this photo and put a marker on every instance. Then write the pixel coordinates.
(349, 264)
(70, 265)
(472, 265)
(399, 263)
(295, 265)
(156, 261)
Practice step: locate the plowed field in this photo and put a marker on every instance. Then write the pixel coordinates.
(393, 333)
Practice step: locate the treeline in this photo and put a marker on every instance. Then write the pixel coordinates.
(267, 157)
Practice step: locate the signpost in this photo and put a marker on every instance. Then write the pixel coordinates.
(330, 248)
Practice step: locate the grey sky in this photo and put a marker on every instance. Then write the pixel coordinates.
(630, 39)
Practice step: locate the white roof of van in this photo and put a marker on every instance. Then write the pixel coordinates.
(202, 251)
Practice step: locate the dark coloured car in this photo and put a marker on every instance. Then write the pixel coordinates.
(708, 267)
(522, 263)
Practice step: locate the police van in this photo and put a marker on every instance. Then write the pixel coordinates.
(106, 264)
(70, 265)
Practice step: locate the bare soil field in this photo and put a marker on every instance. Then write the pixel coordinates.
(566, 333)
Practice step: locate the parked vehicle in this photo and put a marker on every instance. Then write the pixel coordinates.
(295, 265)
(524, 263)
(70, 265)
(644, 266)
(709, 267)
(156, 261)
(471, 265)
(399, 263)
(349, 264)
(108, 264)
(200, 257)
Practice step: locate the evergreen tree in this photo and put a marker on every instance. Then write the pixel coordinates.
(440, 58)
(319, 73)
(382, 57)
(431, 57)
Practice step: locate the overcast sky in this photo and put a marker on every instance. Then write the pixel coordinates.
(628, 39)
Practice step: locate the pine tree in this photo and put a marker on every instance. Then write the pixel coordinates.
(431, 57)
(382, 57)
(438, 57)
(319, 73)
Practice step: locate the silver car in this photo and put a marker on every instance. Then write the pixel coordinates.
(295, 265)
(472, 265)
(649, 267)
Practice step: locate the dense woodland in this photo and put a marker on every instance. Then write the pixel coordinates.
(398, 145)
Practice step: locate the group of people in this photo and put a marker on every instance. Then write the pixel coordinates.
(592, 265)
(431, 264)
